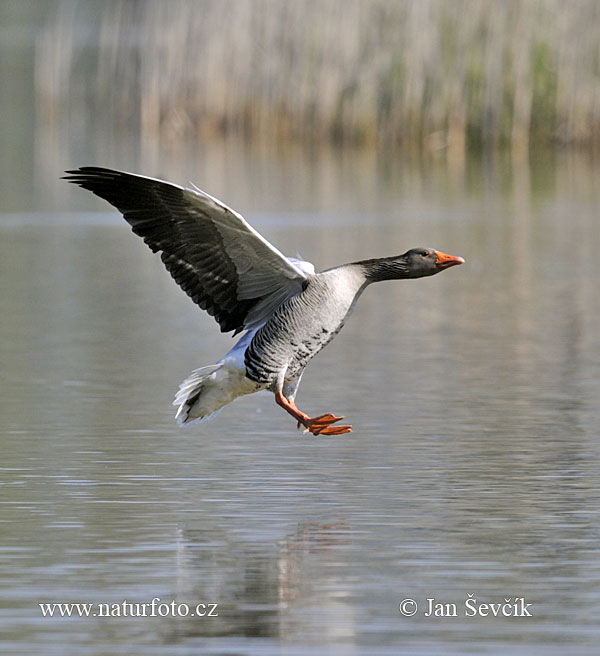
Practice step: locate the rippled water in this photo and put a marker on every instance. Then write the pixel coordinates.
(473, 467)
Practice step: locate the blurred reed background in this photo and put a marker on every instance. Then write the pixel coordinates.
(457, 74)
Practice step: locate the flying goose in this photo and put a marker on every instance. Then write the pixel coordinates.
(286, 311)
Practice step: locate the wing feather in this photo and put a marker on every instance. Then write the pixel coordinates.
(223, 264)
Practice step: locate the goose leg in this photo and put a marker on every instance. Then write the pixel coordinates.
(320, 425)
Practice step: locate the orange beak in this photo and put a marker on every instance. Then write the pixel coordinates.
(444, 261)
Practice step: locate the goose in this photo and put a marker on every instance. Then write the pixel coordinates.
(286, 311)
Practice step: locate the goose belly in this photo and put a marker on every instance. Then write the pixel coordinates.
(297, 331)
(274, 349)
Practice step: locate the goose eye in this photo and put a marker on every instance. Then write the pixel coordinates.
(426, 253)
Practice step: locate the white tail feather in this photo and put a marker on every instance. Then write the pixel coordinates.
(204, 393)
(191, 397)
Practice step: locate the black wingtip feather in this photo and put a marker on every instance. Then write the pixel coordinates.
(86, 172)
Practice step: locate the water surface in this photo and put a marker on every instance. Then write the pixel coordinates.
(472, 468)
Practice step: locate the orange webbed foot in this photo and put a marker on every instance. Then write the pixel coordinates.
(336, 430)
(322, 425)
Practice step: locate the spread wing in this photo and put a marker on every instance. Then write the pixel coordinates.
(215, 256)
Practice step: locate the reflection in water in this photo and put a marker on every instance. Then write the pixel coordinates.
(269, 590)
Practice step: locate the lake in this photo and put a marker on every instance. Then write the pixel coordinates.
(471, 474)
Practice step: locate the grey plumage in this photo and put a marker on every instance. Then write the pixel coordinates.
(303, 325)
(288, 312)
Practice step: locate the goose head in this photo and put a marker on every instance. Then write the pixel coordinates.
(421, 262)
(415, 263)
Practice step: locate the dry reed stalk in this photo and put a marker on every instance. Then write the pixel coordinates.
(435, 73)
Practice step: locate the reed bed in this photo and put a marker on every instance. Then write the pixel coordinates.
(457, 74)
